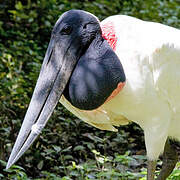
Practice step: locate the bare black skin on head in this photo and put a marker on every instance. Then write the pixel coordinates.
(78, 63)
(98, 71)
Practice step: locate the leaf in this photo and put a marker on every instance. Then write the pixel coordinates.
(67, 157)
(67, 149)
(57, 148)
(95, 152)
(79, 148)
(49, 151)
(66, 178)
(40, 165)
(100, 159)
(3, 163)
(19, 5)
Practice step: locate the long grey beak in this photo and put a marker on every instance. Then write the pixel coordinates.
(54, 75)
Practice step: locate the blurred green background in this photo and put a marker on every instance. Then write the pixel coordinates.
(68, 148)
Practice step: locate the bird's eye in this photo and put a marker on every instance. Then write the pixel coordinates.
(66, 30)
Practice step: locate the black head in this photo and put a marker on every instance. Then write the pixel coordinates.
(76, 28)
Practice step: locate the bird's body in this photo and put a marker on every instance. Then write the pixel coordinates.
(150, 55)
(81, 68)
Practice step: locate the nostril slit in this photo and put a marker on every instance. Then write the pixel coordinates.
(50, 57)
(85, 26)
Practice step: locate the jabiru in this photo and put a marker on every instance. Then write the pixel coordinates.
(109, 74)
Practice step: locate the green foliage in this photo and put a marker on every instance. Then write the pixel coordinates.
(67, 148)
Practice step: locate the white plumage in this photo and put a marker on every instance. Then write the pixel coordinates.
(150, 55)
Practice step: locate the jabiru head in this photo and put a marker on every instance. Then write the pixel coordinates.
(80, 64)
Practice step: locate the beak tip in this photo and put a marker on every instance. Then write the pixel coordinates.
(9, 164)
